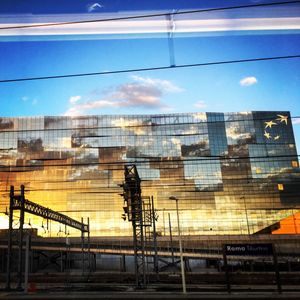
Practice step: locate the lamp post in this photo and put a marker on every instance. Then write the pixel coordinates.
(180, 246)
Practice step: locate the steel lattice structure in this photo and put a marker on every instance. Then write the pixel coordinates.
(36, 209)
(140, 212)
(18, 202)
(135, 215)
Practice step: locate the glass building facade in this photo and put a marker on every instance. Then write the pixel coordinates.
(233, 173)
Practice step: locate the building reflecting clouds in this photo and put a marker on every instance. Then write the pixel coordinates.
(233, 173)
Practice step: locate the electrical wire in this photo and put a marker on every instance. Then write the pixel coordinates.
(179, 182)
(152, 68)
(153, 15)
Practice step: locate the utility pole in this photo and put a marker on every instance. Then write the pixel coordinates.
(9, 246)
(171, 240)
(180, 247)
(20, 267)
(134, 210)
(154, 218)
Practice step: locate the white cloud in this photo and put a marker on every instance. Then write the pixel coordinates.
(74, 99)
(164, 85)
(142, 92)
(27, 99)
(94, 6)
(200, 104)
(247, 81)
(81, 108)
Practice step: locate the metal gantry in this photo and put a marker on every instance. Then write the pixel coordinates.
(18, 202)
(140, 214)
(133, 200)
(149, 218)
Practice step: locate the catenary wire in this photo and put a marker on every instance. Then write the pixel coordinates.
(224, 62)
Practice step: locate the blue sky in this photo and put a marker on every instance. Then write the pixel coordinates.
(268, 85)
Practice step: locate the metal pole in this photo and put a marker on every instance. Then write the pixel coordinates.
(67, 267)
(154, 238)
(89, 245)
(94, 262)
(123, 263)
(27, 263)
(19, 286)
(295, 223)
(171, 240)
(142, 240)
(164, 222)
(136, 266)
(180, 250)
(9, 242)
(278, 281)
(47, 220)
(82, 245)
(61, 261)
(228, 285)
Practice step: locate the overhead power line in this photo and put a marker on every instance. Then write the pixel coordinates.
(152, 68)
(153, 15)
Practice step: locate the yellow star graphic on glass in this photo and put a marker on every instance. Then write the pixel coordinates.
(270, 124)
(282, 119)
(267, 135)
(277, 137)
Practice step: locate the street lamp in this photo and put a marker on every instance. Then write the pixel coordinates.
(180, 246)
